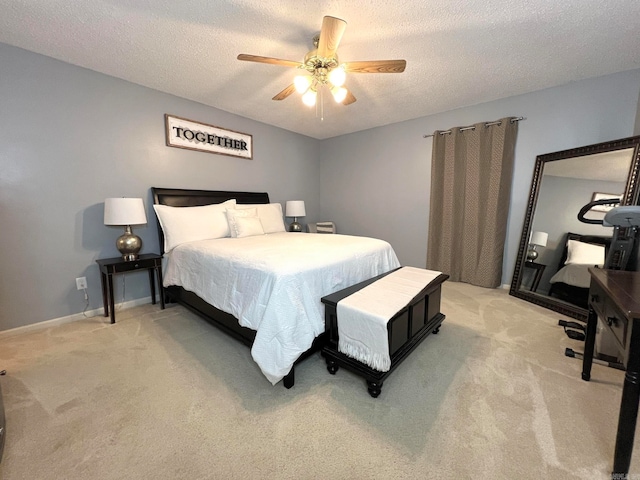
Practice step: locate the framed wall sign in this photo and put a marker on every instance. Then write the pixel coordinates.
(183, 133)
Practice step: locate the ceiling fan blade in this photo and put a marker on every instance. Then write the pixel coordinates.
(269, 60)
(376, 66)
(285, 93)
(349, 99)
(332, 30)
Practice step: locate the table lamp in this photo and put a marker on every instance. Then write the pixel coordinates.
(126, 212)
(295, 209)
(537, 239)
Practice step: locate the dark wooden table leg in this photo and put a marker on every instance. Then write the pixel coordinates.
(160, 286)
(105, 303)
(628, 409)
(152, 283)
(536, 280)
(112, 308)
(589, 343)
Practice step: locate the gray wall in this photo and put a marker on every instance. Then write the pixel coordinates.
(379, 179)
(636, 130)
(69, 138)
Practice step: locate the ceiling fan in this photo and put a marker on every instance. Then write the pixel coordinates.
(323, 67)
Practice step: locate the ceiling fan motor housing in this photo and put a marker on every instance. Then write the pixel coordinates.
(320, 67)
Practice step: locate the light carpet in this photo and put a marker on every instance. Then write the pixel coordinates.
(164, 395)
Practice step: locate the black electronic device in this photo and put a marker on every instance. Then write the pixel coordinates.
(625, 221)
(622, 255)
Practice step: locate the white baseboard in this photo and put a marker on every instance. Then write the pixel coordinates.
(71, 318)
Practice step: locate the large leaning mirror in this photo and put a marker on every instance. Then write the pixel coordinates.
(556, 248)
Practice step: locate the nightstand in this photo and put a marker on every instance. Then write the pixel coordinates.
(114, 266)
(539, 268)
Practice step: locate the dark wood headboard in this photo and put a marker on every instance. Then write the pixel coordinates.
(594, 239)
(177, 197)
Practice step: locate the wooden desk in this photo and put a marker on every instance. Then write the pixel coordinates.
(2, 421)
(614, 296)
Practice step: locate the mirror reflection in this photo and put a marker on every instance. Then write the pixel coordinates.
(556, 248)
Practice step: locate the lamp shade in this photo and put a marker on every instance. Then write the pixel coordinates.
(302, 83)
(309, 97)
(295, 208)
(539, 238)
(124, 211)
(337, 76)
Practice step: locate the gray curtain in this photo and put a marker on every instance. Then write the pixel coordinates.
(471, 172)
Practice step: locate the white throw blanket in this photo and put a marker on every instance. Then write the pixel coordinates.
(363, 316)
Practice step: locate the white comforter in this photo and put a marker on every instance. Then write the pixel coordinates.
(573, 274)
(273, 284)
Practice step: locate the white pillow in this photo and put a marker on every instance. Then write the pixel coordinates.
(188, 224)
(244, 222)
(584, 253)
(270, 214)
(248, 227)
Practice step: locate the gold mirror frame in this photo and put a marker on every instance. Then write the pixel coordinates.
(630, 197)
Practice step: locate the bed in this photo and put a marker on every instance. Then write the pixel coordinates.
(572, 280)
(263, 288)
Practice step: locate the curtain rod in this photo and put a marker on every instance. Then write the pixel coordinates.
(488, 124)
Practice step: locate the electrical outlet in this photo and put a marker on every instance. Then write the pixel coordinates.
(81, 283)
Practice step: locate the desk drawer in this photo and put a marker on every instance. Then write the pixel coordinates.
(2, 426)
(609, 314)
(132, 265)
(597, 299)
(617, 323)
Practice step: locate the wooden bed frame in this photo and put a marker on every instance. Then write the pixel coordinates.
(226, 322)
(405, 331)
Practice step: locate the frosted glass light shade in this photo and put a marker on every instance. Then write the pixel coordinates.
(124, 211)
(337, 76)
(339, 94)
(309, 98)
(539, 238)
(302, 83)
(295, 208)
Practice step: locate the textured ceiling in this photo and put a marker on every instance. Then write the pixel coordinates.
(458, 53)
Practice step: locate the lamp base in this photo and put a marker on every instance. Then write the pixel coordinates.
(532, 255)
(295, 227)
(129, 244)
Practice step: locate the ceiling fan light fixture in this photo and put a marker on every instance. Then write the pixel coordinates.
(302, 83)
(339, 94)
(309, 97)
(337, 76)
(322, 68)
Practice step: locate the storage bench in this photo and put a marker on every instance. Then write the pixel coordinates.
(406, 330)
